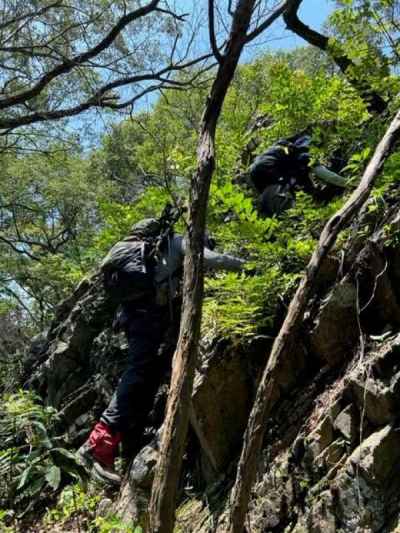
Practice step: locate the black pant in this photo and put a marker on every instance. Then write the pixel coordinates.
(145, 330)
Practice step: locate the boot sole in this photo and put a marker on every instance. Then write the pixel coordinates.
(94, 469)
(85, 459)
(98, 476)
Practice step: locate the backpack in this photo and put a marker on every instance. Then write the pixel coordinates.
(276, 199)
(128, 267)
(277, 164)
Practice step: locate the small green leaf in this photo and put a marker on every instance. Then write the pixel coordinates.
(53, 477)
(24, 477)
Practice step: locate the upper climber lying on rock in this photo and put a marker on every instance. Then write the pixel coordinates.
(282, 169)
(143, 273)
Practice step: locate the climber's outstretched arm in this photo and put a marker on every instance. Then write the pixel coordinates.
(213, 260)
(216, 261)
(328, 176)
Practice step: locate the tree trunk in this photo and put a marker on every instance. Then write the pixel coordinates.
(162, 505)
(269, 388)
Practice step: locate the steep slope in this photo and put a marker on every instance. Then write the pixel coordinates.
(332, 449)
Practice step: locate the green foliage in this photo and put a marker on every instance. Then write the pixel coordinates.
(15, 332)
(49, 214)
(6, 517)
(119, 218)
(392, 235)
(74, 502)
(78, 504)
(390, 177)
(32, 458)
(357, 162)
(368, 32)
(237, 305)
(62, 210)
(91, 200)
(113, 524)
(277, 250)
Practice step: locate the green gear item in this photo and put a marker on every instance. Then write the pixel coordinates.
(148, 227)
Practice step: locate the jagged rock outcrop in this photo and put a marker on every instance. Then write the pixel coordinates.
(331, 457)
(332, 453)
(79, 363)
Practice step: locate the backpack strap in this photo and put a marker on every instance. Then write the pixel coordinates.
(168, 219)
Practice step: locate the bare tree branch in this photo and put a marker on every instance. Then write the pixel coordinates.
(165, 84)
(67, 65)
(269, 20)
(12, 245)
(211, 32)
(30, 14)
(7, 289)
(101, 99)
(181, 18)
(163, 499)
(19, 206)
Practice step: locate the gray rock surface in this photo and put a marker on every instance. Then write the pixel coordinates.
(331, 455)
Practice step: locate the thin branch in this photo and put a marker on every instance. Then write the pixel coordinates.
(29, 242)
(19, 206)
(269, 20)
(46, 44)
(386, 33)
(376, 281)
(138, 96)
(16, 249)
(100, 98)
(67, 65)
(31, 14)
(181, 18)
(164, 490)
(14, 295)
(26, 51)
(211, 32)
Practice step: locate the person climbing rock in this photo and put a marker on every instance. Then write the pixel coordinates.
(143, 273)
(284, 168)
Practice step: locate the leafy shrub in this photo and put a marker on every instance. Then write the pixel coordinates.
(75, 502)
(113, 524)
(32, 459)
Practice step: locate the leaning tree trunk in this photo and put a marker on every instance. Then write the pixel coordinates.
(163, 499)
(269, 388)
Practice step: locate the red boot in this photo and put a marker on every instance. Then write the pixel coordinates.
(99, 452)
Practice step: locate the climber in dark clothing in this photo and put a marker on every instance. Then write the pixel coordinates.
(145, 321)
(284, 167)
(145, 329)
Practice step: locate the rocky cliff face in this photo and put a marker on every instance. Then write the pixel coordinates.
(331, 459)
